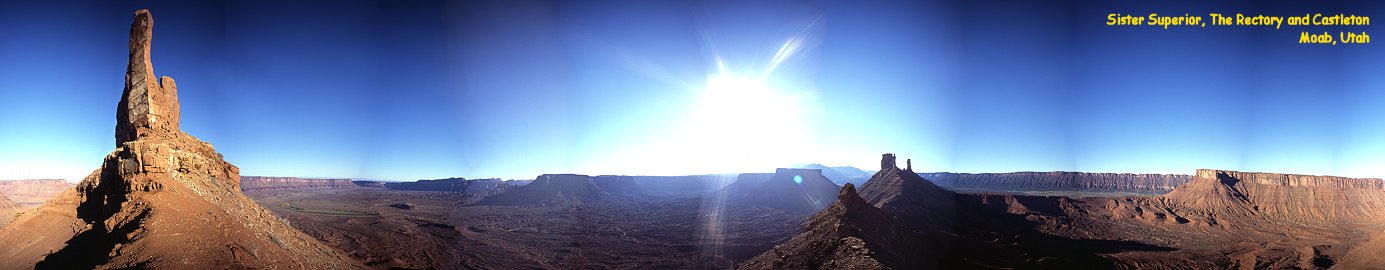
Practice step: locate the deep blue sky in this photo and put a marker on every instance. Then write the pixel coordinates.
(512, 89)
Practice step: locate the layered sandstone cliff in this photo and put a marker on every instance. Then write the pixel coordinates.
(34, 191)
(1281, 197)
(1060, 181)
(250, 183)
(162, 199)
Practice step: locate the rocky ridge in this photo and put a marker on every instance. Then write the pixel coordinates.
(850, 234)
(162, 199)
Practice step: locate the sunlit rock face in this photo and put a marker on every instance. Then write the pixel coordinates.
(1060, 181)
(161, 199)
(1305, 199)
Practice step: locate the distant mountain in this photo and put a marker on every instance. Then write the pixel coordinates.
(455, 184)
(841, 174)
(680, 185)
(554, 189)
(789, 189)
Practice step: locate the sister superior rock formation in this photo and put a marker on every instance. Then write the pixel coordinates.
(162, 199)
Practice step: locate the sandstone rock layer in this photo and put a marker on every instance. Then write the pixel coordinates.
(162, 199)
(1060, 181)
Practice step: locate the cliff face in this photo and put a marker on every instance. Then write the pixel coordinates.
(250, 183)
(1061, 181)
(1283, 197)
(33, 192)
(162, 199)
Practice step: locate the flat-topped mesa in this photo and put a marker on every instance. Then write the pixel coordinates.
(1290, 180)
(146, 107)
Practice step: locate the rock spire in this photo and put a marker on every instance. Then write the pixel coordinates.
(148, 107)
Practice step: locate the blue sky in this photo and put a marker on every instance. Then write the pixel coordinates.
(513, 89)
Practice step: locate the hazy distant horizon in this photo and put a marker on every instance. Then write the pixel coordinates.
(509, 89)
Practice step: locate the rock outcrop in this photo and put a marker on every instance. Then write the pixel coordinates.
(252, 183)
(1303, 199)
(914, 200)
(34, 191)
(1060, 181)
(162, 199)
(850, 234)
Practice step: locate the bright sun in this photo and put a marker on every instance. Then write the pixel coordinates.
(746, 120)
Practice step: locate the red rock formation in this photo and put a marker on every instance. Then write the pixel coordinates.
(33, 192)
(249, 183)
(916, 201)
(1282, 197)
(850, 234)
(1060, 181)
(162, 199)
